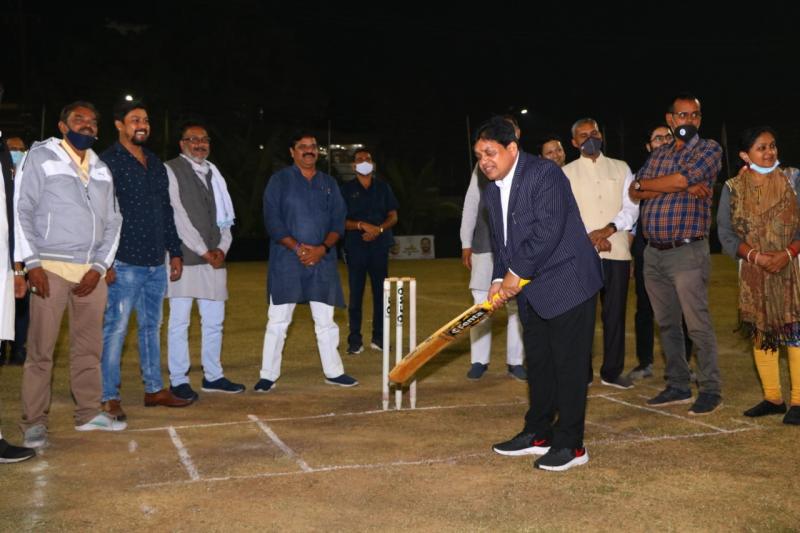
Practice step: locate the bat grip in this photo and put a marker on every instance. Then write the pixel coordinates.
(488, 303)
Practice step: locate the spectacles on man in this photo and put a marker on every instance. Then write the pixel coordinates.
(667, 138)
(683, 115)
(197, 140)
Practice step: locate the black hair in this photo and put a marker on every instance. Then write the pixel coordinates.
(300, 134)
(748, 137)
(550, 137)
(122, 109)
(190, 124)
(653, 127)
(684, 96)
(496, 129)
(69, 108)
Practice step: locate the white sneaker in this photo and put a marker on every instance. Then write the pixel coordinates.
(102, 422)
(35, 437)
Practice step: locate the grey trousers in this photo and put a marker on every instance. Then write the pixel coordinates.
(677, 282)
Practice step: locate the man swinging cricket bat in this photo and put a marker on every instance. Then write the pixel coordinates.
(444, 336)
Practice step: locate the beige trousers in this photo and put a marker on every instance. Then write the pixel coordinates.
(85, 349)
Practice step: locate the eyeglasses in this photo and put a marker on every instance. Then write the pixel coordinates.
(683, 115)
(307, 147)
(668, 138)
(197, 140)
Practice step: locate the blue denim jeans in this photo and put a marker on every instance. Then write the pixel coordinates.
(141, 288)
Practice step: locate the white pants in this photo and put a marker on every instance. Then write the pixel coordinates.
(212, 314)
(481, 335)
(278, 319)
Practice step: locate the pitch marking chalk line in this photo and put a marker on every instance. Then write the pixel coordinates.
(331, 468)
(183, 454)
(665, 413)
(443, 460)
(637, 440)
(280, 444)
(329, 415)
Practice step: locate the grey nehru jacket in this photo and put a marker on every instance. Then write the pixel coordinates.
(198, 201)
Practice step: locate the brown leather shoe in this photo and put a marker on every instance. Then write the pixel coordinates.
(114, 409)
(164, 397)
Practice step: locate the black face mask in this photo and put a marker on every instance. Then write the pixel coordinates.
(80, 141)
(685, 132)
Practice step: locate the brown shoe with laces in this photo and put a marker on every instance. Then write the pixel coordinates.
(164, 397)
(114, 409)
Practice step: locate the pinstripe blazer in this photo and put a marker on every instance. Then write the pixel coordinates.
(547, 241)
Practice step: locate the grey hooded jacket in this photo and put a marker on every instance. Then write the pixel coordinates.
(56, 217)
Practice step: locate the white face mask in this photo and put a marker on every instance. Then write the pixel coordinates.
(365, 168)
(764, 170)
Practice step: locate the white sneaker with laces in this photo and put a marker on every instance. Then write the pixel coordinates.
(102, 422)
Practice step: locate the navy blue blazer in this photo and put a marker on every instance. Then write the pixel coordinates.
(547, 241)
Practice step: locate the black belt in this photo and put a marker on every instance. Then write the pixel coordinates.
(673, 244)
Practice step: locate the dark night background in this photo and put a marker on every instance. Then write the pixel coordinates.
(405, 80)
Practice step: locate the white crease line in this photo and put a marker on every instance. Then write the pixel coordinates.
(188, 426)
(183, 455)
(332, 468)
(332, 415)
(638, 440)
(280, 444)
(746, 422)
(665, 413)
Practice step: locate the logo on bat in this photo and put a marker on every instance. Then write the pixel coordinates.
(468, 322)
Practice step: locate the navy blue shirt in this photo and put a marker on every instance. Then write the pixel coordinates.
(148, 226)
(306, 210)
(370, 205)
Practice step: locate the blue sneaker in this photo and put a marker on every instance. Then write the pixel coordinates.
(222, 385)
(184, 391)
(517, 372)
(476, 371)
(354, 349)
(264, 385)
(343, 381)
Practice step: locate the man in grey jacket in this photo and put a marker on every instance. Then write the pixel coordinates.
(67, 229)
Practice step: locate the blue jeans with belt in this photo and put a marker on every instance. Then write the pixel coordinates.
(141, 288)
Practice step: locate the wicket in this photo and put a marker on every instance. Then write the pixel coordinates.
(400, 319)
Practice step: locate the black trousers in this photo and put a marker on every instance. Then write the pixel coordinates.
(557, 354)
(614, 303)
(363, 261)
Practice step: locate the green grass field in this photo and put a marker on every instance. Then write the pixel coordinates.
(309, 456)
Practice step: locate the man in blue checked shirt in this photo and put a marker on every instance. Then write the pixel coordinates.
(677, 182)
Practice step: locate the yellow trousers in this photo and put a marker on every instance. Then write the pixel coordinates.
(767, 364)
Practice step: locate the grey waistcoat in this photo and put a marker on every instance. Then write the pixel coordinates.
(198, 201)
(481, 241)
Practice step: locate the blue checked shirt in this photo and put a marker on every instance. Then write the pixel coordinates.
(676, 215)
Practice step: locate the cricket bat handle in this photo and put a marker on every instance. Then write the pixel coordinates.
(488, 303)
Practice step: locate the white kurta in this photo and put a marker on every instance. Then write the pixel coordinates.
(7, 308)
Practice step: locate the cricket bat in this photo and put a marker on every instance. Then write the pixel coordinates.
(447, 334)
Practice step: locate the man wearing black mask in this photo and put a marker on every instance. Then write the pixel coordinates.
(67, 230)
(677, 183)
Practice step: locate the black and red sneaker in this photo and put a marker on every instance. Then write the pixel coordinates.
(560, 459)
(523, 444)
